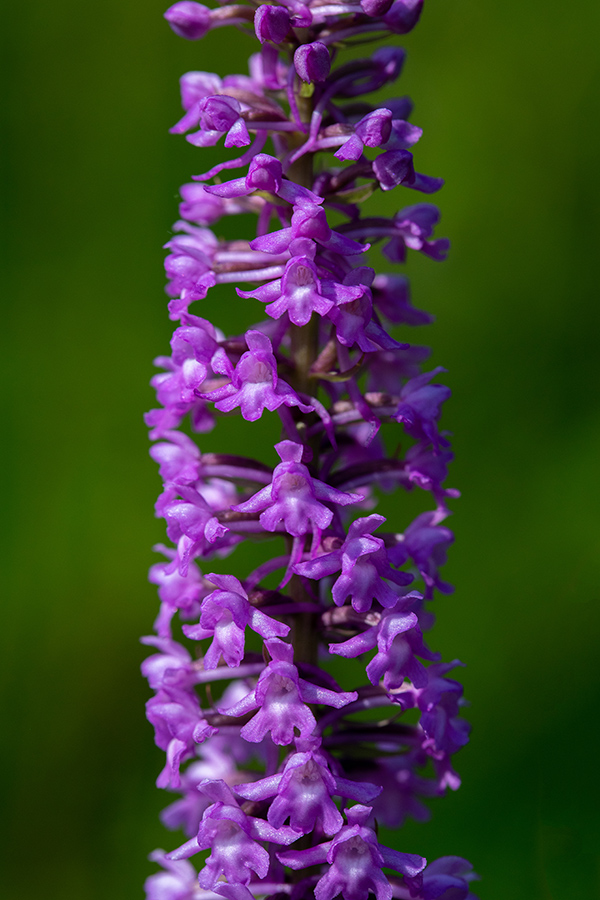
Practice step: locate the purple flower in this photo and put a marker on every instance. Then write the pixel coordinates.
(177, 881)
(426, 542)
(372, 130)
(398, 638)
(300, 292)
(179, 725)
(232, 838)
(254, 384)
(178, 459)
(362, 559)
(448, 878)
(427, 467)
(295, 499)
(402, 788)
(191, 522)
(419, 407)
(189, 266)
(307, 222)
(403, 15)
(271, 23)
(176, 591)
(312, 61)
(413, 226)
(303, 792)
(188, 20)
(440, 702)
(281, 697)
(216, 116)
(353, 316)
(366, 75)
(199, 206)
(187, 812)
(355, 862)
(171, 668)
(194, 86)
(225, 613)
(395, 167)
(265, 173)
(390, 295)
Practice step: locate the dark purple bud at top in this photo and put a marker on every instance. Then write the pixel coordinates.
(271, 23)
(312, 61)
(265, 172)
(188, 20)
(403, 15)
(376, 7)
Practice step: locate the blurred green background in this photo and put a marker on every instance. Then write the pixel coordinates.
(508, 96)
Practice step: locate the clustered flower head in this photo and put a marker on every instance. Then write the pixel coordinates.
(282, 771)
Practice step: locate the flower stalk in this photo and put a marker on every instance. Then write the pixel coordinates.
(281, 773)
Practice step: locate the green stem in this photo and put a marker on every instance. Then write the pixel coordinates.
(305, 634)
(305, 349)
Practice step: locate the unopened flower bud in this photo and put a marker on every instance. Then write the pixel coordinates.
(188, 19)
(403, 15)
(271, 23)
(312, 61)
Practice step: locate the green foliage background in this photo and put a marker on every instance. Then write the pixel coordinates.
(508, 96)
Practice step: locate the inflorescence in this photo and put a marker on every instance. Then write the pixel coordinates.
(283, 775)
